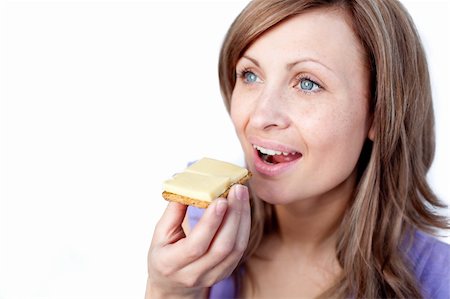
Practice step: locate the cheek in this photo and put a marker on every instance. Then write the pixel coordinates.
(239, 115)
(236, 117)
(337, 136)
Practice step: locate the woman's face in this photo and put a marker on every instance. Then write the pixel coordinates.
(300, 107)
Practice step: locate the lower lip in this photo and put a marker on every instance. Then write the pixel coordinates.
(272, 169)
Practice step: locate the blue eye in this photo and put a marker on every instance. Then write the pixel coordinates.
(250, 77)
(308, 85)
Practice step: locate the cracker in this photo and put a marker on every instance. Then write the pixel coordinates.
(201, 203)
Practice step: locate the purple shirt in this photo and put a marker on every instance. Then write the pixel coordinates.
(429, 257)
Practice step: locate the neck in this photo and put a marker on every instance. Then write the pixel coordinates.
(310, 225)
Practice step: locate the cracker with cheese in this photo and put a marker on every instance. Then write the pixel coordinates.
(202, 182)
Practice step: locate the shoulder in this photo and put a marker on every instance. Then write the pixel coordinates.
(430, 259)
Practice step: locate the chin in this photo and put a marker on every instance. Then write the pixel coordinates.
(270, 192)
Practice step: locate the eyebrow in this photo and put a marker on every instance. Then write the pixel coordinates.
(292, 64)
(252, 60)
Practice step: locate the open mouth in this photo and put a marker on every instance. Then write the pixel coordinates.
(273, 157)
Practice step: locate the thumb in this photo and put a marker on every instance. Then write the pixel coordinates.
(168, 229)
(238, 192)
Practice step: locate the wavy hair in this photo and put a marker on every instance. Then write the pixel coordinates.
(393, 197)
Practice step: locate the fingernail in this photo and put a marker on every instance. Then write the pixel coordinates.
(221, 207)
(240, 192)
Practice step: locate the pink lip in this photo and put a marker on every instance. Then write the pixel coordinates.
(272, 170)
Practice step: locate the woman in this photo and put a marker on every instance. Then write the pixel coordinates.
(331, 102)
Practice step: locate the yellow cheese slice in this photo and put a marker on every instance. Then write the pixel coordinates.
(212, 167)
(198, 186)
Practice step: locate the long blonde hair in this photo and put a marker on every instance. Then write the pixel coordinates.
(393, 197)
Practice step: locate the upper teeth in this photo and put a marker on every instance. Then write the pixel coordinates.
(267, 151)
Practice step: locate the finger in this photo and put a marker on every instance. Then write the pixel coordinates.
(204, 232)
(195, 245)
(242, 238)
(227, 235)
(224, 242)
(245, 224)
(169, 226)
(224, 268)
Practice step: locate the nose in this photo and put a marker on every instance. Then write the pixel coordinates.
(270, 111)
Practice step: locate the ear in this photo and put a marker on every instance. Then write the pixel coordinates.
(371, 133)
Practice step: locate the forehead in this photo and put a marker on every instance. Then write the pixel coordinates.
(323, 34)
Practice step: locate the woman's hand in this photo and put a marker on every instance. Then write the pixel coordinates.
(181, 266)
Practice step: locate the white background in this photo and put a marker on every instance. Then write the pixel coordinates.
(100, 102)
